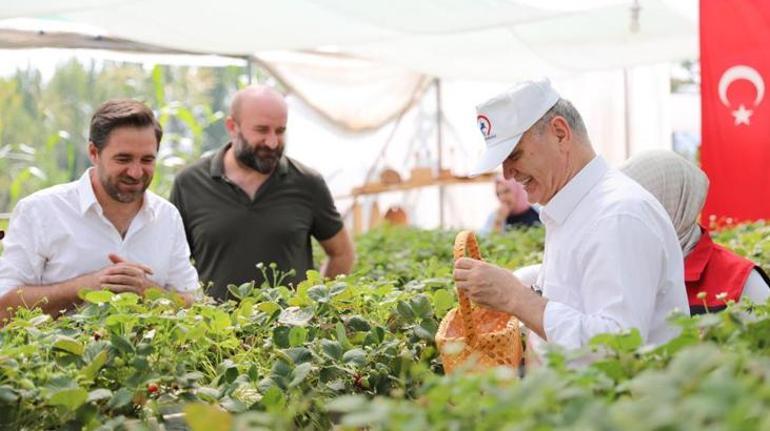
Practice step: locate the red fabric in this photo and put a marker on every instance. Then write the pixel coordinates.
(735, 151)
(714, 269)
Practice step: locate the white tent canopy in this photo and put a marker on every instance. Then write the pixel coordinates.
(361, 64)
(501, 40)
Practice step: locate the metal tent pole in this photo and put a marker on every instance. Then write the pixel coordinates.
(249, 69)
(626, 113)
(439, 145)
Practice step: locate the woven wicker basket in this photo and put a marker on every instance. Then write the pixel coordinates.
(474, 336)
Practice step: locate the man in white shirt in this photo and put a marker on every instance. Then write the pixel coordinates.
(105, 230)
(612, 258)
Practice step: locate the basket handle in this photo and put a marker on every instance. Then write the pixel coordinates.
(466, 245)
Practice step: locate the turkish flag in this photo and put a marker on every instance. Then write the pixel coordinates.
(735, 68)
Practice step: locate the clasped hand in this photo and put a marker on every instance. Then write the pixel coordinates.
(124, 276)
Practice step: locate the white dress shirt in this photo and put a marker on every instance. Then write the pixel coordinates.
(61, 233)
(612, 261)
(755, 288)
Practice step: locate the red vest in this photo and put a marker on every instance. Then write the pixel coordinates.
(714, 269)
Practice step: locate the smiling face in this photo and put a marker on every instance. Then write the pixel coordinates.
(540, 161)
(257, 129)
(126, 164)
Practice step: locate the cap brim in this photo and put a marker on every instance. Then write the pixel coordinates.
(494, 156)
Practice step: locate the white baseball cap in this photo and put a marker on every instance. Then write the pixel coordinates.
(504, 118)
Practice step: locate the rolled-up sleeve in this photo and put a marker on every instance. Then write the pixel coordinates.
(22, 261)
(623, 261)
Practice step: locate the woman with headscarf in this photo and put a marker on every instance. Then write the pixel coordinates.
(514, 209)
(713, 274)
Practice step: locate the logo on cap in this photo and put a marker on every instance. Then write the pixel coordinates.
(485, 126)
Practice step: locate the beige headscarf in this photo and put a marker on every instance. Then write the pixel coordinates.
(679, 185)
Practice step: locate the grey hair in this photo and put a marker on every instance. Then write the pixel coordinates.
(565, 109)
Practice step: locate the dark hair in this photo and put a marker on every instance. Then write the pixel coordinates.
(118, 113)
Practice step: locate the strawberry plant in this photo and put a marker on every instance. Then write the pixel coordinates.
(358, 352)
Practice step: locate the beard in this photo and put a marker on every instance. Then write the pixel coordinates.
(258, 157)
(111, 186)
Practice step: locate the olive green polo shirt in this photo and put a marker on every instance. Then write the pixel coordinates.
(229, 233)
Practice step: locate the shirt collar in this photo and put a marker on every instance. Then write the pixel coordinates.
(564, 202)
(87, 197)
(695, 262)
(217, 166)
(86, 192)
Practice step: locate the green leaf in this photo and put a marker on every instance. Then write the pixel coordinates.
(332, 349)
(205, 417)
(121, 343)
(125, 299)
(220, 322)
(159, 85)
(16, 186)
(8, 394)
(338, 288)
(89, 371)
(295, 316)
(426, 330)
(355, 356)
(405, 311)
(273, 398)
(115, 320)
(300, 372)
(421, 307)
(233, 406)
(281, 337)
(299, 355)
(242, 291)
(268, 307)
(358, 323)
(187, 117)
(39, 320)
(375, 337)
(319, 294)
(70, 399)
(69, 345)
(98, 296)
(297, 336)
(630, 340)
(443, 301)
(121, 398)
(626, 341)
(99, 395)
(342, 337)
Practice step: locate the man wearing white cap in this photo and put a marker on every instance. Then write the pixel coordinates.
(612, 258)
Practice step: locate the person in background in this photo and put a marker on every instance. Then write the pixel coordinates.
(514, 210)
(713, 274)
(103, 231)
(612, 261)
(250, 204)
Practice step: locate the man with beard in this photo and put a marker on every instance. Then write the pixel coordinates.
(103, 231)
(249, 204)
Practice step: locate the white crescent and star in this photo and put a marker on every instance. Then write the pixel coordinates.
(735, 73)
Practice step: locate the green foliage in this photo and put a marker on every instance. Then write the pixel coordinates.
(44, 124)
(358, 352)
